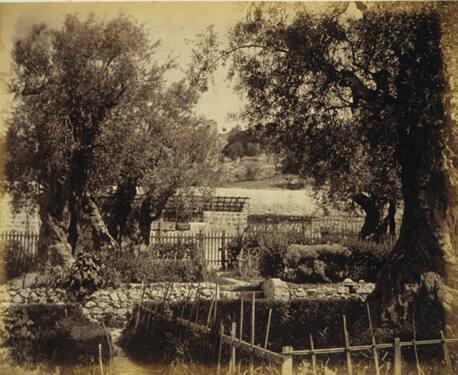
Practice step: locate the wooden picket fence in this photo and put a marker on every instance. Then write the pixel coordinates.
(284, 361)
(28, 241)
(212, 244)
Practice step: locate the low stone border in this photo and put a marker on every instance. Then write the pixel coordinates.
(276, 289)
(114, 305)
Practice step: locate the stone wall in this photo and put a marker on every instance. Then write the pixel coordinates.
(113, 306)
(275, 289)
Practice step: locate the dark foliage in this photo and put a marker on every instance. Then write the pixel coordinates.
(267, 255)
(53, 333)
(242, 143)
(85, 276)
(291, 322)
(17, 260)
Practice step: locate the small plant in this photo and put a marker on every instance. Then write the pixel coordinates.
(272, 250)
(85, 276)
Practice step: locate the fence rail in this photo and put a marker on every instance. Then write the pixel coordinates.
(285, 359)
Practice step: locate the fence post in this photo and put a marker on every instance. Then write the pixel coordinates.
(312, 348)
(287, 365)
(397, 356)
(202, 246)
(223, 250)
(159, 228)
(233, 362)
(374, 347)
(347, 347)
(252, 338)
(448, 362)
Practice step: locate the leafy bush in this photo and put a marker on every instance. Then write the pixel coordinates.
(85, 275)
(17, 260)
(144, 267)
(272, 250)
(163, 262)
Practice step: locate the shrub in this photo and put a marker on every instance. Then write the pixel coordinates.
(85, 276)
(163, 262)
(17, 260)
(271, 255)
(272, 250)
(260, 255)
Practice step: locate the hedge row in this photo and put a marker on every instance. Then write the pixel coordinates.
(274, 255)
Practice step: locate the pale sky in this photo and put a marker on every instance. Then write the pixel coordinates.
(175, 24)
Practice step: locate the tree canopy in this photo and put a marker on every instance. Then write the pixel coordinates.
(91, 110)
(357, 105)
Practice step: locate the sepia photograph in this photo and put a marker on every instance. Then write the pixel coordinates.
(229, 188)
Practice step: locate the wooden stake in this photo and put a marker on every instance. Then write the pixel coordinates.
(233, 350)
(414, 342)
(100, 359)
(110, 349)
(241, 318)
(221, 333)
(287, 365)
(448, 361)
(241, 331)
(253, 323)
(194, 302)
(266, 341)
(397, 356)
(347, 347)
(312, 348)
(209, 313)
(216, 298)
(374, 347)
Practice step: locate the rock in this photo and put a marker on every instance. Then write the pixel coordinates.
(114, 296)
(90, 304)
(300, 293)
(104, 306)
(343, 290)
(276, 290)
(16, 299)
(312, 292)
(365, 289)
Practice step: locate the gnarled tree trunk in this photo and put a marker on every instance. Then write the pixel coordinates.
(92, 232)
(53, 245)
(374, 227)
(372, 212)
(421, 275)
